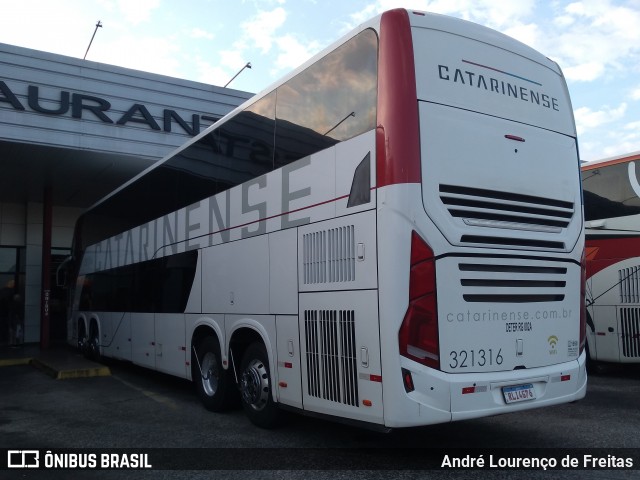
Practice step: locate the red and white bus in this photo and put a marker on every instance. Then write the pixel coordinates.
(375, 239)
(612, 221)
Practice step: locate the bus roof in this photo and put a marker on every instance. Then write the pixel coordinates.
(416, 19)
(605, 162)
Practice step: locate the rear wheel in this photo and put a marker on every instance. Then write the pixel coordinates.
(594, 367)
(83, 340)
(256, 387)
(93, 347)
(213, 382)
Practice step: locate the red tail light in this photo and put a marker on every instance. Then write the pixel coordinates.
(583, 308)
(418, 336)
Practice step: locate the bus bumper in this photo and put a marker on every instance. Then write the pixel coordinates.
(441, 397)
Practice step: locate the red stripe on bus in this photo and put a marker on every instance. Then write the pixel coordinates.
(397, 133)
(613, 161)
(604, 252)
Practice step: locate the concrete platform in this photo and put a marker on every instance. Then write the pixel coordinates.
(60, 362)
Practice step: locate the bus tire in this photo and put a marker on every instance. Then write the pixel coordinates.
(83, 339)
(256, 387)
(594, 367)
(93, 349)
(213, 382)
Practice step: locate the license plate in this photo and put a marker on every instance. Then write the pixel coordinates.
(519, 393)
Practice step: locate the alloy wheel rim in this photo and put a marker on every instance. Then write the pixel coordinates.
(255, 385)
(210, 374)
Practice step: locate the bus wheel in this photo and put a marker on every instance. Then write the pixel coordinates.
(594, 367)
(93, 348)
(212, 381)
(83, 341)
(255, 387)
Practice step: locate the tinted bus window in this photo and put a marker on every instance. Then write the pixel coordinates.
(242, 148)
(608, 192)
(331, 101)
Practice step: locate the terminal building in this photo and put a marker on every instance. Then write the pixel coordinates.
(71, 131)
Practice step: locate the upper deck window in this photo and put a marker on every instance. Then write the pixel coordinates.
(608, 192)
(332, 100)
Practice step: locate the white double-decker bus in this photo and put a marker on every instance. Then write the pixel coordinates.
(612, 214)
(376, 238)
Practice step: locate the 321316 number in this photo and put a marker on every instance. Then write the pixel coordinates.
(475, 358)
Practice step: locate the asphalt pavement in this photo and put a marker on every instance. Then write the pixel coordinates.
(57, 400)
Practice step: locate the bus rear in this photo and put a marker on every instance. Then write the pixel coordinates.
(487, 301)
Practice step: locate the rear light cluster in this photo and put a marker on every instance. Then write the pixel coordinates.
(583, 308)
(418, 336)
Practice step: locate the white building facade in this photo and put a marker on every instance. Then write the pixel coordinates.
(71, 131)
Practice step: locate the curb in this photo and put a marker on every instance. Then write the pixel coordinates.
(65, 374)
(12, 362)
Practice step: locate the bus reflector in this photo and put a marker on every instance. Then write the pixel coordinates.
(514, 137)
(367, 403)
(288, 365)
(282, 384)
(375, 378)
(408, 381)
(418, 336)
(466, 390)
(565, 378)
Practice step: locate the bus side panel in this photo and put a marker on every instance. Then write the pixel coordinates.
(340, 343)
(283, 274)
(143, 339)
(121, 335)
(606, 334)
(615, 292)
(289, 374)
(235, 276)
(105, 322)
(299, 185)
(74, 318)
(170, 347)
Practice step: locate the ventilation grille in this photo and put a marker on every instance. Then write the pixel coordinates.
(630, 332)
(512, 242)
(629, 285)
(329, 256)
(332, 372)
(497, 283)
(479, 207)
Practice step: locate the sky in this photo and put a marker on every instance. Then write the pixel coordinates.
(596, 43)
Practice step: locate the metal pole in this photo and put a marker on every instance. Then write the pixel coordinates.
(45, 299)
(98, 25)
(248, 65)
(352, 114)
